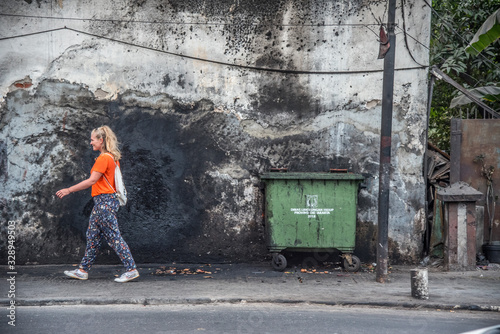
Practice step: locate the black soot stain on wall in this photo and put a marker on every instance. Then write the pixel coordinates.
(192, 174)
(171, 159)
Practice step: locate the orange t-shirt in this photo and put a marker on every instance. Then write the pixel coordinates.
(104, 164)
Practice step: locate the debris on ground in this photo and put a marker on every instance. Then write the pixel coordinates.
(489, 266)
(172, 271)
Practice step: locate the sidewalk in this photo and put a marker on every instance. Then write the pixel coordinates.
(40, 285)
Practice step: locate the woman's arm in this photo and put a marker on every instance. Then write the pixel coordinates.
(94, 177)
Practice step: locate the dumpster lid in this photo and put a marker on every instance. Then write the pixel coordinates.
(311, 176)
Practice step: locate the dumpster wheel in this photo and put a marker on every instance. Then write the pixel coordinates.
(351, 262)
(279, 262)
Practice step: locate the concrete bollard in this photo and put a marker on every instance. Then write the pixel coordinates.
(420, 283)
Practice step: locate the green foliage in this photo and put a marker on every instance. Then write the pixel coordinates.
(453, 27)
(489, 93)
(489, 33)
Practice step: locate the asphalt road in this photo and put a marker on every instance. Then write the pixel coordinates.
(241, 318)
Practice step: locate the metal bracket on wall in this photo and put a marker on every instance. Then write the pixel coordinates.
(442, 76)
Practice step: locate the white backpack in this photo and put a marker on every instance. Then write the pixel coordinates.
(120, 191)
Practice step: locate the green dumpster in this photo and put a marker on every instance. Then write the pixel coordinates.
(311, 212)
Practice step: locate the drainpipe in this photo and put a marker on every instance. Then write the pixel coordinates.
(385, 149)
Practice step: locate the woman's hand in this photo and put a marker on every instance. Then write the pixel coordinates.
(94, 177)
(63, 192)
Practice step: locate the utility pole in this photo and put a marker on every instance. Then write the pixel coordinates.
(385, 149)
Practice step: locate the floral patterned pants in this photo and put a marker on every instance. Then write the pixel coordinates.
(103, 224)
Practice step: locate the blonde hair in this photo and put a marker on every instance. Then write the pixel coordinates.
(110, 142)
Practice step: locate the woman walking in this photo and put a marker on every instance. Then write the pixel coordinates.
(103, 223)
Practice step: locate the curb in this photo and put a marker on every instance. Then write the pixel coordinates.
(201, 301)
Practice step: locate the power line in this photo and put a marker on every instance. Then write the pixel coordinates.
(254, 68)
(32, 34)
(477, 81)
(415, 39)
(458, 34)
(425, 46)
(367, 25)
(405, 34)
(447, 23)
(186, 23)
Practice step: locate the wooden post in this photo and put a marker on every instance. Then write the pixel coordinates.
(460, 226)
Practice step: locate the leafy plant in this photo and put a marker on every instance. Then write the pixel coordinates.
(490, 93)
(454, 24)
(487, 34)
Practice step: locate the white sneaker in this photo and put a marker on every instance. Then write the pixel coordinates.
(128, 276)
(77, 273)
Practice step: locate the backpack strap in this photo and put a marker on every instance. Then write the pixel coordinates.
(109, 183)
(111, 155)
(105, 175)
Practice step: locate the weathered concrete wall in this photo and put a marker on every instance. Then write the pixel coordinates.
(204, 97)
